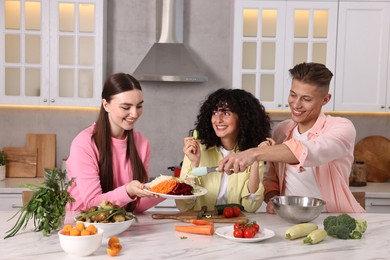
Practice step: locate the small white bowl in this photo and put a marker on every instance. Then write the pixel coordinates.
(112, 229)
(81, 245)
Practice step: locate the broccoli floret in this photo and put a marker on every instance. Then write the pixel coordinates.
(361, 227)
(347, 221)
(329, 222)
(344, 226)
(342, 232)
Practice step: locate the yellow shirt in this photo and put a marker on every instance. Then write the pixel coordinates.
(237, 185)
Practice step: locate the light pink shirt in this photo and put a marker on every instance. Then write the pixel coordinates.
(82, 165)
(329, 149)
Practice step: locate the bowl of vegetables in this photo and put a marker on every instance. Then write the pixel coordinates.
(107, 216)
(298, 209)
(80, 245)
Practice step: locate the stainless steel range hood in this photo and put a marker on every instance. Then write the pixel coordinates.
(169, 59)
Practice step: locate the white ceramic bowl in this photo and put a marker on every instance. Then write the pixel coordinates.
(112, 229)
(298, 209)
(81, 245)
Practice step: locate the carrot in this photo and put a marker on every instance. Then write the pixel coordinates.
(201, 222)
(197, 229)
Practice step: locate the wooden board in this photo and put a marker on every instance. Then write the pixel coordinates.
(46, 151)
(21, 162)
(375, 152)
(188, 215)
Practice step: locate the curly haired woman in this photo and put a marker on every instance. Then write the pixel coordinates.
(229, 121)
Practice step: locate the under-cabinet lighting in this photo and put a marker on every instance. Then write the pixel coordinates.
(50, 107)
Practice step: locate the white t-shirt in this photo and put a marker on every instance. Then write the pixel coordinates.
(222, 194)
(301, 183)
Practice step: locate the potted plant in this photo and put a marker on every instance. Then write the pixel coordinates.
(2, 165)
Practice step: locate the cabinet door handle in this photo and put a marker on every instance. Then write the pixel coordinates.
(16, 206)
(379, 204)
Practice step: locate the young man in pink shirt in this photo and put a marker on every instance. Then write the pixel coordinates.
(310, 154)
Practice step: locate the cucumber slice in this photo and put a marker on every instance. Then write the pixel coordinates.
(195, 134)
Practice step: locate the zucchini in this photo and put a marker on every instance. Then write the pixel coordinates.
(315, 236)
(300, 230)
(220, 208)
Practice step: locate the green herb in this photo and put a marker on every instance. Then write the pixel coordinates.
(47, 205)
(183, 237)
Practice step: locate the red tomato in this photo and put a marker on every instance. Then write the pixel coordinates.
(228, 212)
(249, 233)
(238, 233)
(236, 211)
(237, 226)
(256, 227)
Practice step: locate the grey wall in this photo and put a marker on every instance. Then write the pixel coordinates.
(170, 108)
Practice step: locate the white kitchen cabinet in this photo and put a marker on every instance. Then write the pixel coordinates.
(362, 70)
(378, 205)
(11, 201)
(52, 52)
(270, 37)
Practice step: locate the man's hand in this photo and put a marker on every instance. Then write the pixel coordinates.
(238, 162)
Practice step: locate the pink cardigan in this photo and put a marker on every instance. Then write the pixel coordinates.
(330, 151)
(82, 165)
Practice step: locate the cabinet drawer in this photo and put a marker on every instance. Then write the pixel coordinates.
(377, 205)
(10, 201)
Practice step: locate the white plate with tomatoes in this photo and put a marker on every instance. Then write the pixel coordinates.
(228, 233)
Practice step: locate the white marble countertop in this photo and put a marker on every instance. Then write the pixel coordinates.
(156, 239)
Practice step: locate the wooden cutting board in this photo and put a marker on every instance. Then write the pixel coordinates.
(46, 151)
(374, 151)
(188, 215)
(21, 162)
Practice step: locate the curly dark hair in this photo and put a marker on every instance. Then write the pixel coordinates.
(254, 122)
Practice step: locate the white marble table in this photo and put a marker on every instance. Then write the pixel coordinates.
(156, 239)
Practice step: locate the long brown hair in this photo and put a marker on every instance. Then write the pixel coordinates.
(115, 84)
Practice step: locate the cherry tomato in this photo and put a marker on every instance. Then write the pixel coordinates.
(228, 212)
(237, 226)
(256, 227)
(249, 233)
(238, 233)
(236, 211)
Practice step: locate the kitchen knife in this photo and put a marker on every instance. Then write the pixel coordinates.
(201, 212)
(201, 171)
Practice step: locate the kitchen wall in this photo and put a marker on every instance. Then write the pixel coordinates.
(170, 108)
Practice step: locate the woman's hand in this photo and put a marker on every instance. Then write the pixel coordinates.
(136, 188)
(192, 150)
(270, 208)
(268, 142)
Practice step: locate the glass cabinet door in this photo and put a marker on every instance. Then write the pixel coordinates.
(270, 37)
(75, 44)
(311, 37)
(258, 49)
(24, 67)
(52, 52)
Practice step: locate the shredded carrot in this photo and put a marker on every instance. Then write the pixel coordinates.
(164, 187)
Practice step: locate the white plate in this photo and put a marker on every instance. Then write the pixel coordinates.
(227, 232)
(199, 191)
